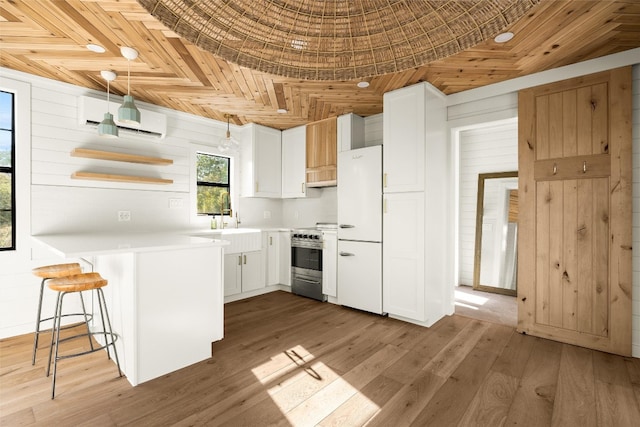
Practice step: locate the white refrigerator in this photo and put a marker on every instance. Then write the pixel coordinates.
(360, 229)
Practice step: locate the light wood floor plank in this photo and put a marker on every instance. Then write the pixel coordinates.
(290, 361)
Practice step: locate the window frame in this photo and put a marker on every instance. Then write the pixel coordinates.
(11, 169)
(226, 186)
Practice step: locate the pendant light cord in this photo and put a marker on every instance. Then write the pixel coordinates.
(128, 76)
(108, 103)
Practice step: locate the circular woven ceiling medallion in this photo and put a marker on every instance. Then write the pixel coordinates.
(336, 39)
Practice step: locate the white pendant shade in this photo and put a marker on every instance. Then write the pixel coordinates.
(107, 127)
(128, 112)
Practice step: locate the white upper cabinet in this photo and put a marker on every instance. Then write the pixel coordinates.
(406, 130)
(260, 157)
(350, 132)
(293, 162)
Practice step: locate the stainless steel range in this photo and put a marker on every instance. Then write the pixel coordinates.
(306, 261)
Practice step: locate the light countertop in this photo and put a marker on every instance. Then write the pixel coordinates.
(91, 244)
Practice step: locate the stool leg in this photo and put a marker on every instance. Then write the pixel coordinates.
(38, 321)
(105, 313)
(86, 321)
(57, 332)
(56, 323)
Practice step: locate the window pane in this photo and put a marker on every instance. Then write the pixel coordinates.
(6, 216)
(6, 110)
(5, 148)
(210, 199)
(213, 169)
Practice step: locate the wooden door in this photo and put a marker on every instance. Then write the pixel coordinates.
(574, 247)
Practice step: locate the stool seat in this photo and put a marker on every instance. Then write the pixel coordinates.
(77, 282)
(57, 270)
(48, 272)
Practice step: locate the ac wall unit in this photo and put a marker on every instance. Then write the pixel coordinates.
(91, 112)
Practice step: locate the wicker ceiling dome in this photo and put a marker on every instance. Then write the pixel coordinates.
(336, 39)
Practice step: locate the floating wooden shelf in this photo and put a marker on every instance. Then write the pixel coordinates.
(119, 178)
(119, 157)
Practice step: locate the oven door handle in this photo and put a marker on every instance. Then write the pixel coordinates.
(314, 282)
(347, 254)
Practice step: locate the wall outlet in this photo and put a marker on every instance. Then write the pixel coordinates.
(267, 214)
(124, 215)
(176, 203)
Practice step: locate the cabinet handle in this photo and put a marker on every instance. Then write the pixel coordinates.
(346, 254)
(256, 186)
(302, 187)
(384, 180)
(239, 259)
(270, 241)
(245, 259)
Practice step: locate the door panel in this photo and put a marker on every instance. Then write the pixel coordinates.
(574, 272)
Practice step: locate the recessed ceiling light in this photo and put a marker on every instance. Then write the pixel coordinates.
(281, 111)
(96, 48)
(503, 37)
(363, 84)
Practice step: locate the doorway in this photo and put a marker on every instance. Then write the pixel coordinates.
(486, 148)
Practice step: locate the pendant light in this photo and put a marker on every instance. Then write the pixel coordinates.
(107, 127)
(228, 143)
(128, 113)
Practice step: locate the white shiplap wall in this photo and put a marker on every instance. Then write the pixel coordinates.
(482, 150)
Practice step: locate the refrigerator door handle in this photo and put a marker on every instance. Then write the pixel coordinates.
(346, 254)
(347, 226)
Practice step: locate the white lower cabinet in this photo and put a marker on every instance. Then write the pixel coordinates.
(403, 261)
(285, 257)
(330, 263)
(273, 258)
(243, 272)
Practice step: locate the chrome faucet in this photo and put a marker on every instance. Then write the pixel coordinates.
(237, 220)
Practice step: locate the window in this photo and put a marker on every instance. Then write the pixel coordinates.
(7, 173)
(213, 174)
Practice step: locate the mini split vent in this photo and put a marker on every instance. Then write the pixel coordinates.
(152, 125)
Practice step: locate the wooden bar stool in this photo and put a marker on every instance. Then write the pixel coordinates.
(78, 283)
(48, 272)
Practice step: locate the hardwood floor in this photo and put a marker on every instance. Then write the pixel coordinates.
(487, 306)
(291, 361)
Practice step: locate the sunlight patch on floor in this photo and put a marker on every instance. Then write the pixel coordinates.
(461, 304)
(314, 393)
(471, 299)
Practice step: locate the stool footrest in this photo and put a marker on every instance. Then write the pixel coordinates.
(102, 347)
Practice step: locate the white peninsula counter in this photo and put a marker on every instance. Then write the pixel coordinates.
(165, 294)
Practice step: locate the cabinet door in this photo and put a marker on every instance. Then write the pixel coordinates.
(267, 161)
(329, 263)
(285, 258)
(322, 152)
(403, 133)
(261, 159)
(273, 258)
(403, 255)
(232, 274)
(293, 162)
(252, 273)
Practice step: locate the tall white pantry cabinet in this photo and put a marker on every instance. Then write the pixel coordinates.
(416, 215)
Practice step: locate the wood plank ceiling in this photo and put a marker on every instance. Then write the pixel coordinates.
(48, 37)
